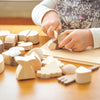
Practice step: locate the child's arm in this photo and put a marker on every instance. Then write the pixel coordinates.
(45, 15)
(77, 40)
(41, 9)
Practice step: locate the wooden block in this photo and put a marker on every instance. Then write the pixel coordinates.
(3, 34)
(10, 41)
(52, 45)
(23, 35)
(37, 62)
(69, 69)
(2, 66)
(71, 78)
(24, 70)
(33, 37)
(21, 49)
(83, 75)
(49, 59)
(50, 70)
(1, 46)
(9, 57)
(38, 51)
(26, 45)
(16, 37)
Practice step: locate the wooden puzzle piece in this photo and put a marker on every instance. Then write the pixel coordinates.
(1, 46)
(23, 35)
(52, 45)
(9, 57)
(2, 66)
(16, 37)
(25, 70)
(50, 59)
(3, 34)
(10, 41)
(26, 45)
(69, 69)
(50, 70)
(33, 37)
(37, 62)
(68, 79)
(21, 49)
(83, 75)
(38, 51)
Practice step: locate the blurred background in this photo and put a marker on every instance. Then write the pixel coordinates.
(16, 11)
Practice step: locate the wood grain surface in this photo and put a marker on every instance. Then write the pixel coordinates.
(39, 89)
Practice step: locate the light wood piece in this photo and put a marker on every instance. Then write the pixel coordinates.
(33, 37)
(23, 35)
(83, 75)
(24, 70)
(3, 34)
(26, 45)
(2, 66)
(50, 70)
(1, 46)
(9, 57)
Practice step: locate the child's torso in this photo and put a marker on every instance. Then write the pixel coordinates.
(76, 14)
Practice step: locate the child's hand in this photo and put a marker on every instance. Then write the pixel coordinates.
(51, 22)
(77, 40)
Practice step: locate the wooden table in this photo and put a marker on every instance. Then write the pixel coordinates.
(39, 89)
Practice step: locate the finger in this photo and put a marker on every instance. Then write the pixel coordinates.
(67, 32)
(69, 45)
(50, 31)
(65, 41)
(44, 28)
(59, 28)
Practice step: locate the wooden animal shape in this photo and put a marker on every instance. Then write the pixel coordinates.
(25, 70)
(50, 70)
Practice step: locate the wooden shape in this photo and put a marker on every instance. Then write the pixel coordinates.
(21, 49)
(71, 78)
(90, 57)
(83, 75)
(52, 45)
(26, 45)
(69, 69)
(2, 66)
(16, 37)
(10, 41)
(1, 46)
(3, 34)
(55, 35)
(33, 37)
(24, 70)
(9, 57)
(38, 51)
(49, 59)
(61, 37)
(50, 70)
(37, 62)
(23, 35)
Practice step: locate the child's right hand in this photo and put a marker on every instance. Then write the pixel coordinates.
(51, 22)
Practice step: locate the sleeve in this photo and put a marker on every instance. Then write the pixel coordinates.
(40, 10)
(96, 36)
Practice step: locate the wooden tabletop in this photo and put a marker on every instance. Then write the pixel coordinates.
(40, 89)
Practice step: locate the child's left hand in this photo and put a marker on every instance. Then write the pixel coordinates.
(77, 40)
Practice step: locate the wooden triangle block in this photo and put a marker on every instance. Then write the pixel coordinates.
(25, 69)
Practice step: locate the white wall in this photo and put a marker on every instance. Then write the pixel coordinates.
(17, 8)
